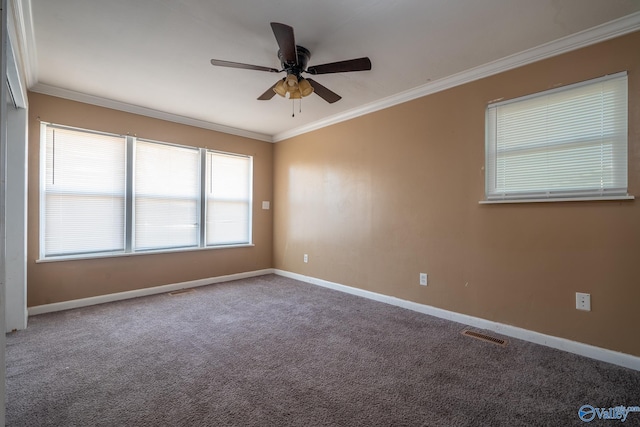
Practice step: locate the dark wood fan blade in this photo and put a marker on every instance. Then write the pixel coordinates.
(323, 92)
(286, 42)
(268, 94)
(220, 63)
(359, 64)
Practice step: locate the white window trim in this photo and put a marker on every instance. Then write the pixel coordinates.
(129, 254)
(549, 197)
(555, 199)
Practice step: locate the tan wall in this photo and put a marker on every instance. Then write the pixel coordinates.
(66, 280)
(376, 200)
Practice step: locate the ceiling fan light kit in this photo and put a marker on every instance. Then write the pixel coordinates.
(294, 59)
(292, 81)
(295, 95)
(305, 87)
(280, 88)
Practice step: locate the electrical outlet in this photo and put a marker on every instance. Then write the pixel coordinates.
(583, 301)
(306, 258)
(423, 279)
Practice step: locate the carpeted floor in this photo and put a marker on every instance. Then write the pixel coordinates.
(271, 351)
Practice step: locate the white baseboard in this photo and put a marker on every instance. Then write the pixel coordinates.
(101, 299)
(593, 352)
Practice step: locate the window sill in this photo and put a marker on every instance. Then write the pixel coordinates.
(563, 199)
(129, 254)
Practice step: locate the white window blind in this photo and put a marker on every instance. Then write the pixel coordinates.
(228, 199)
(84, 192)
(167, 193)
(562, 143)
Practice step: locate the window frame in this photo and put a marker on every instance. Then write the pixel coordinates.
(207, 178)
(542, 194)
(135, 194)
(129, 211)
(43, 193)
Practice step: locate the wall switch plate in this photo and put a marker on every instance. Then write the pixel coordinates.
(423, 279)
(583, 301)
(265, 205)
(306, 258)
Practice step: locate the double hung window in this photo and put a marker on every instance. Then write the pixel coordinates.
(83, 192)
(228, 199)
(167, 196)
(564, 143)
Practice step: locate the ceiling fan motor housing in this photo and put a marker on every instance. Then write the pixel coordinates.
(293, 68)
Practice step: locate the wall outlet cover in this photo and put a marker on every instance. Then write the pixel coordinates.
(583, 301)
(423, 279)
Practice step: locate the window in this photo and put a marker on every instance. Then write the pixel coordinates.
(228, 198)
(83, 201)
(111, 194)
(167, 196)
(566, 143)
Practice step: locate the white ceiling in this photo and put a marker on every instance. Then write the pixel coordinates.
(155, 53)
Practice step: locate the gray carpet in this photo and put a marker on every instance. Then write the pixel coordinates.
(271, 351)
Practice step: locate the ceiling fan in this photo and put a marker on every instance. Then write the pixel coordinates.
(293, 59)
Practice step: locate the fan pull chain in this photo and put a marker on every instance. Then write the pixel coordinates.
(293, 107)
